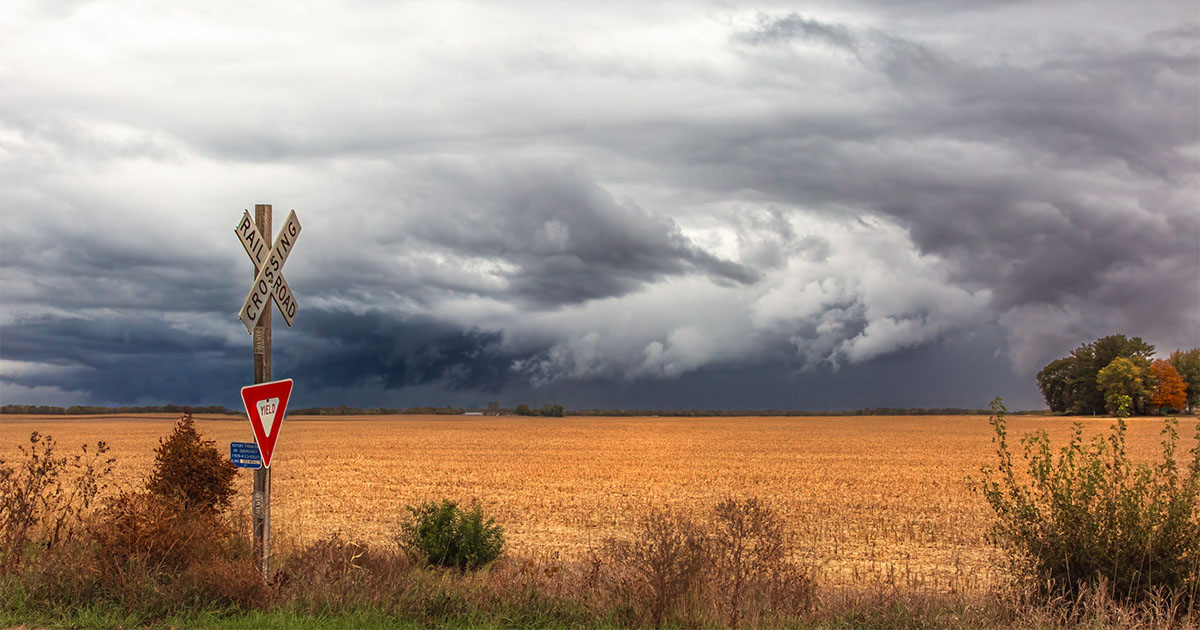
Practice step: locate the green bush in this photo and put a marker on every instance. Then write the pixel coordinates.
(1092, 519)
(444, 535)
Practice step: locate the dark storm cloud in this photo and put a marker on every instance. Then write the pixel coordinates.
(529, 232)
(346, 350)
(119, 359)
(99, 270)
(561, 238)
(127, 358)
(1071, 180)
(1087, 106)
(936, 375)
(86, 342)
(1096, 107)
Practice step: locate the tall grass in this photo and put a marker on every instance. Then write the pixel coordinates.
(45, 497)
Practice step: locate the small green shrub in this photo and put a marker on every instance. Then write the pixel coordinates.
(1092, 519)
(443, 535)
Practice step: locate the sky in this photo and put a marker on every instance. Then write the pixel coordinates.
(821, 205)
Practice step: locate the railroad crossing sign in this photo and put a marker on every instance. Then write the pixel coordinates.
(266, 402)
(266, 405)
(269, 284)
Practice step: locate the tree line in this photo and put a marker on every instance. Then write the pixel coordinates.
(94, 410)
(706, 413)
(1095, 376)
(343, 410)
(549, 410)
(546, 411)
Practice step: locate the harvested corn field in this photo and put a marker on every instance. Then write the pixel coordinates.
(871, 500)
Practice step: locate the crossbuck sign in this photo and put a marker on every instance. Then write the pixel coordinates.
(269, 284)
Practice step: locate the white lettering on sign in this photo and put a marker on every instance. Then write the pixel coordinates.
(266, 411)
(269, 284)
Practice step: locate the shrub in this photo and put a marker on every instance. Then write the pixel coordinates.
(443, 535)
(157, 556)
(151, 553)
(665, 561)
(155, 529)
(170, 547)
(46, 497)
(334, 574)
(749, 552)
(191, 470)
(1091, 518)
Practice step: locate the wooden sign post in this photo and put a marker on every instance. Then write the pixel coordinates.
(269, 286)
(262, 374)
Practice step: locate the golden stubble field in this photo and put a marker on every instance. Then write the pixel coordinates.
(871, 499)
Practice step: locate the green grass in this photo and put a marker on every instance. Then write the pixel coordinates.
(105, 617)
(97, 616)
(290, 619)
(101, 617)
(873, 616)
(18, 610)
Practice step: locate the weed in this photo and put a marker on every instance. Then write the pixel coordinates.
(46, 497)
(749, 549)
(1092, 519)
(664, 561)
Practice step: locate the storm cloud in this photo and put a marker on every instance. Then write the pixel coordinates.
(605, 206)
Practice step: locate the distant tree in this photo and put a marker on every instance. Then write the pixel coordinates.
(1113, 346)
(1122, 377)
(1108, 348)
(1070, 383)
(524, 410)
(1167, 387)
(1187, 363)
(1055, 381)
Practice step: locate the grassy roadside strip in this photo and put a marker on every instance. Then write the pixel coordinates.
(894, 609)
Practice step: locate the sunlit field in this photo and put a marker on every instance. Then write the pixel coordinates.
(872, 500)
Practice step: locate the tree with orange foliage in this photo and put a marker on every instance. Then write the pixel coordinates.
(1169, 389)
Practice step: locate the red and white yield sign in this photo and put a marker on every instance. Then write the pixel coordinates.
(269, 283)
(266, 404)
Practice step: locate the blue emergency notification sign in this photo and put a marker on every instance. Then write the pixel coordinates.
(245, 455)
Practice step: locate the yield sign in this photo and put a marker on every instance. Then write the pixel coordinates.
(266, 404)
